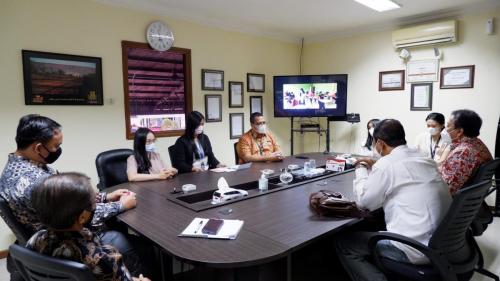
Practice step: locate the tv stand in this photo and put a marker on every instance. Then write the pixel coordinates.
(309, 128)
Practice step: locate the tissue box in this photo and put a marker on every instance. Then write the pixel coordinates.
(335, 164)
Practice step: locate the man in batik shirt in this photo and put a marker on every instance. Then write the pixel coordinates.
(64, 203)
(467, 151)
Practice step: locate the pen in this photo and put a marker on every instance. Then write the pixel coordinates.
(199, 225)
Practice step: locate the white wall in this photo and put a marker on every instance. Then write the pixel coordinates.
(362, 57)
(91, 29)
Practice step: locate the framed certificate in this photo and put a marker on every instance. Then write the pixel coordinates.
(235, 94)
(422, 71)
(391, 80)
(457, 77)
(212, 80)
(213, 108)
(236, 125)
(421, 97)
(256, 82)
(255, 104)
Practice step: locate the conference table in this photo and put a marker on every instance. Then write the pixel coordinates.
(277, 222)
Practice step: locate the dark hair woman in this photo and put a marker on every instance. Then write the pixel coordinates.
(433, 142)
(366, 148)
(146, 164)
(192, 152)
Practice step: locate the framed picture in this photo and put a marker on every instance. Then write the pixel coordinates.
(157, 95)
(421, 97)
(213, 108)
(422, 71)
(60, 79)
(391, 80)
(236, 125)
(256, 82)
(255, 104)
(457, 77)
(212, 80)
(235, 94)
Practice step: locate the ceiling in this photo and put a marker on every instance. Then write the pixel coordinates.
(291, 20)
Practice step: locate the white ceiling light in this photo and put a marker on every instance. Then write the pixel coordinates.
(379, 5)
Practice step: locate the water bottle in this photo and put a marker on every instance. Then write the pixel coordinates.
(263, 182)
(307, 168)
(312, 164)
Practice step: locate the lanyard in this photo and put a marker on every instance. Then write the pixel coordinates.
(260, 145)
(433, 151)
(201, 153)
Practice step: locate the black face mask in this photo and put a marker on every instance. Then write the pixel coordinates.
(53, 156)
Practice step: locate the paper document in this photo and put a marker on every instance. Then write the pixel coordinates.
(229, 229)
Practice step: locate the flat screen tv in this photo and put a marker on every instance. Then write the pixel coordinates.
(310, 95)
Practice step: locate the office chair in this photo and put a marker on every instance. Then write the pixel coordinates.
(22, 234)
(170, 154)
(37, 267)
(452, 251)
(236, 157)
(485, 214)
(112, 167)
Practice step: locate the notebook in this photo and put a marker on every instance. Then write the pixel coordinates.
(229, 229)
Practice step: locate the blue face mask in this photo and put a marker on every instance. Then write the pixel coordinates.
(150, 147)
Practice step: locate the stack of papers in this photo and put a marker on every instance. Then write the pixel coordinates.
(229, 229)
(232, 168)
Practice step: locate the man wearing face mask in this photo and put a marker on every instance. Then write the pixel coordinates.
(434, 141)
(39, 141)
(258, 144)
(411, 192)
(467, 151)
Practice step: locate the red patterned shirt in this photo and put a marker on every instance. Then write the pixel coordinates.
(464, 158)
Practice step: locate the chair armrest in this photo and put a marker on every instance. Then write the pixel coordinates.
(436, 258)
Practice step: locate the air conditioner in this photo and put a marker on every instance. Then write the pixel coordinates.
(425, 34)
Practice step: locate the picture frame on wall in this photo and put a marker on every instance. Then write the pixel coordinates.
(421, 97)
(422, 71)
(235, 94)
(213, 108)
(255, 104)
(61, 79)
(236, 125)
(212, 80)
(256, 82)
(457, 77)
(391, 80)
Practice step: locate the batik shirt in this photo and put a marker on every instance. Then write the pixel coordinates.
(104, 261)
(252, 143)
(19, 178)
(464, 158)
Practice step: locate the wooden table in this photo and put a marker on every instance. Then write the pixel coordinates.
(276, 224)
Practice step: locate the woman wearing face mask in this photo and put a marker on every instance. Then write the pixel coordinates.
(146, 163)
(193, 151)
(366, 148)
(434, 141)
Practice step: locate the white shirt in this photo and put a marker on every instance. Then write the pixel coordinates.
(412, 193)
(424, 143)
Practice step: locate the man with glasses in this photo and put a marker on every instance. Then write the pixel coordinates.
(467, 151)
(258, 144)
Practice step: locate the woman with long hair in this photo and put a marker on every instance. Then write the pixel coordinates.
(193, 151)
(435, 140)
(146, 164)
(366, 148)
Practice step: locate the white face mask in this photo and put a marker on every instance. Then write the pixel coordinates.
(433, 131)
(376, 154)
(150, 147)
(199, 130)
(371, 131)
(261, 129)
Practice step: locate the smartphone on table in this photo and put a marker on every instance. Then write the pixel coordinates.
(212, 226)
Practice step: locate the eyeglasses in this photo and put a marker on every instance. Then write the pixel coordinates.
(150, 141)
(260, 123)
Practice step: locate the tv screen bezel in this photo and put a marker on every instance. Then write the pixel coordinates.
(327, 114)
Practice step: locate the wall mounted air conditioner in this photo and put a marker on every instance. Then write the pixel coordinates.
(425, 34)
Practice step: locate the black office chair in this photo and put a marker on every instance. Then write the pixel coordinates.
(112, 167)
(236, 157)
(485, 214)
(170, 154)
(22, 234)
(37, 267)
(452, 251)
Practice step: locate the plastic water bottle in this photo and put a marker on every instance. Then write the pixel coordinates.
(263, 182)
(307, 168)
